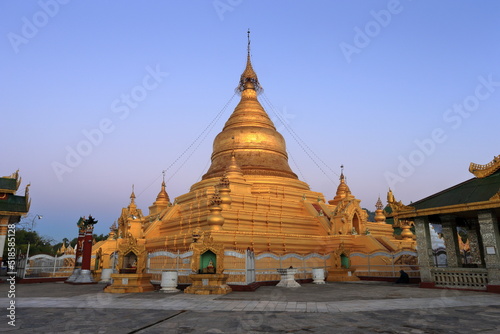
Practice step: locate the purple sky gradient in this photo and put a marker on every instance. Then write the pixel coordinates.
(412, 86)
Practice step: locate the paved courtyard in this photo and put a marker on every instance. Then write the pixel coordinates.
(355, 307)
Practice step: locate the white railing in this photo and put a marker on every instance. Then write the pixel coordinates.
(386, 270)
(461, 278)
(244, 266)
(43, 266)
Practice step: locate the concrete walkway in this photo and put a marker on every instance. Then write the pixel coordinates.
(357, 307)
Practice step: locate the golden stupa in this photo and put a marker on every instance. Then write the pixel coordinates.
(250, 207)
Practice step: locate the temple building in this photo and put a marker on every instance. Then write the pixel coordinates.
(250, 213)
(12, 206)
(467, 215)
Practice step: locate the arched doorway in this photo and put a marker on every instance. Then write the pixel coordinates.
(208, 262)
(344, 261)
(355, 224)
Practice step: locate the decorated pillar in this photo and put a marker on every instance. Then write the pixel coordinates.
(78, 251)
(450, 237)
(85, 276)
(425, 257)
(488, 225)
(476, 251)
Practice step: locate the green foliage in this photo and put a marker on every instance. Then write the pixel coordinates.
(38, 244)
(371, 215)
(25, 235)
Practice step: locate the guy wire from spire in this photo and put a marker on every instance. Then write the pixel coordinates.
(206, 131)
(302, 177)
(301, 142)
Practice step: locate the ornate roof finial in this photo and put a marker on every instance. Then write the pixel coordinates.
(132, 195)
(162, 197)
(248, 47)
(248, 79)
(342, 172)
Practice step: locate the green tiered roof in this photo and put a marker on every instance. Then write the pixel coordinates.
(470, 191)
(10, 203)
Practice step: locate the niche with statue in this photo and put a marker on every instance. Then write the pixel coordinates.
(129, 263)
(131, 275)
(340, 269)
(207, 265)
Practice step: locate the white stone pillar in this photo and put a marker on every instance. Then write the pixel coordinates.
(450, 237)
(106, 275)
(424, 249)
(288, 278)
(488, 224)
(318, 275)
(169, 281)
(4, 222)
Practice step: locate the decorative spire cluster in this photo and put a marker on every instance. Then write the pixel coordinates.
(162, 198)
(224, 192)
(343, 190)
(215, 220)
(248, 79)
(379, 213)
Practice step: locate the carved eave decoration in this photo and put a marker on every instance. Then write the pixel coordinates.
(342, 250)
(481, 171)
(202, 242)
(496, 197)
(27, 197)
(397, 206)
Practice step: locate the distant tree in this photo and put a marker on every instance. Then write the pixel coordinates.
(99, 237)
(371, 215)
(73, 242)
(37, 243)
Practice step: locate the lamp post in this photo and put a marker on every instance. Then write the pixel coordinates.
(31, 226)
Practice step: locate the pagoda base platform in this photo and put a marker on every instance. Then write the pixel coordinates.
(127, 283)
(341, 275)
(208, 284)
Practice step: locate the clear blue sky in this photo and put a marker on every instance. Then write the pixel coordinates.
(404, 94)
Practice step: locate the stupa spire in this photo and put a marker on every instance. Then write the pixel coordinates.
(162, 197)
(132, 207)
(132, 196)
(248, 79)
(251, 135)
(343, 190)
(379, 213)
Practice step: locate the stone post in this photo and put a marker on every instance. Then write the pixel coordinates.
(85, 274)
(4, 222)
(488, 225)
(474, 243)
(450, 237)
(78, 255)
(424, 248)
